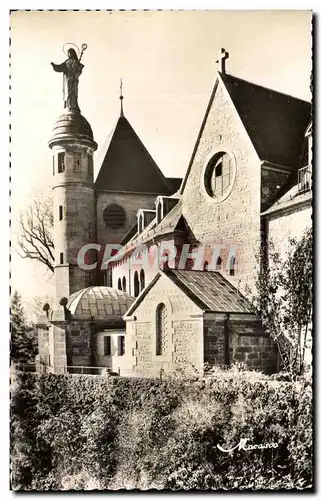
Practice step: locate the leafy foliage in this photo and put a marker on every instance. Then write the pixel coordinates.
(85, 432)
(284, 298)
(23, 344)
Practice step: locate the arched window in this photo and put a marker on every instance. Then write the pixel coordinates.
(232, 266)
(140, 222)
(142, 280)
(161, 330)
(119, 284)
(136, 284)
(205, 265)
(218, 264)
(124, 284)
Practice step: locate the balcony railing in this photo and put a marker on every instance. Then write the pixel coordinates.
(304, 179)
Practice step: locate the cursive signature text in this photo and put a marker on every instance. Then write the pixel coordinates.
(242, 446)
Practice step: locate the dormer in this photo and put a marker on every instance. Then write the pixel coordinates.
(144, 217)
(163, 206)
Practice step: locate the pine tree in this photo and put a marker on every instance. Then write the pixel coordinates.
(23, 345)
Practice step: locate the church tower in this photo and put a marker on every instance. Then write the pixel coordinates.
(72, 145)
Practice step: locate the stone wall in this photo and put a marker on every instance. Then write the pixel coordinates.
(187, 344)
(184, 331)
(214, 342)
(288, 224)
(247, 343)
(57, 349)
(80, 345)
(130, 202)
(43, 358)
(282, 226)
(70, 279)
(78, 224)
(235, 221)
(251, 345)
(74, 215)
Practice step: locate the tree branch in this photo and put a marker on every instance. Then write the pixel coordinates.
(36, 232)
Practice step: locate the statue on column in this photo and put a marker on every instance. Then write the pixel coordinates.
(72, 69)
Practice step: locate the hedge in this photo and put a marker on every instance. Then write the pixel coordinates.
(86, 432)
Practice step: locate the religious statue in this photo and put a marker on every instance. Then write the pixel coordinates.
(72, 69)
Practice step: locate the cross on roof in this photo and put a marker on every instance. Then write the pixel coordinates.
(222, 60)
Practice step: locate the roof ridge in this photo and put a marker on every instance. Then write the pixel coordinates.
(224, 75)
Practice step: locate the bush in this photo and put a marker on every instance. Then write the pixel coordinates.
(85, 432)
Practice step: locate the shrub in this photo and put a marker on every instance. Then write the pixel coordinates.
(85, 432)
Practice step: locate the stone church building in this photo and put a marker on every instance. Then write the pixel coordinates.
(172, 292)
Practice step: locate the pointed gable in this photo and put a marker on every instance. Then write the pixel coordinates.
(275, 122)
(127, 165)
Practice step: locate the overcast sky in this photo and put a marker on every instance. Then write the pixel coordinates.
(168, 64)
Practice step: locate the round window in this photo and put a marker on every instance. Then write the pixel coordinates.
(219, 176)
(114, 216)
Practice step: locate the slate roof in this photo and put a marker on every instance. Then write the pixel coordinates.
(175, 182)
(128, 166)
(130, 234)
(289, 201)
(275, 122)
(100, 302)
(209, 290)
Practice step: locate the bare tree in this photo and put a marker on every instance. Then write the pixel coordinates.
(36, 232)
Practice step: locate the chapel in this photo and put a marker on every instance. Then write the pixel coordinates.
(174, 292)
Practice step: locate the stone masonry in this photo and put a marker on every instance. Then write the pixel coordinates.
(236, 220)
(131, 203)
(246, 343)
(195, 338)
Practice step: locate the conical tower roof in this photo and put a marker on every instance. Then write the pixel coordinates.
(128, 166)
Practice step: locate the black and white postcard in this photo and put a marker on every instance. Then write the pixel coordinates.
(161, 250)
